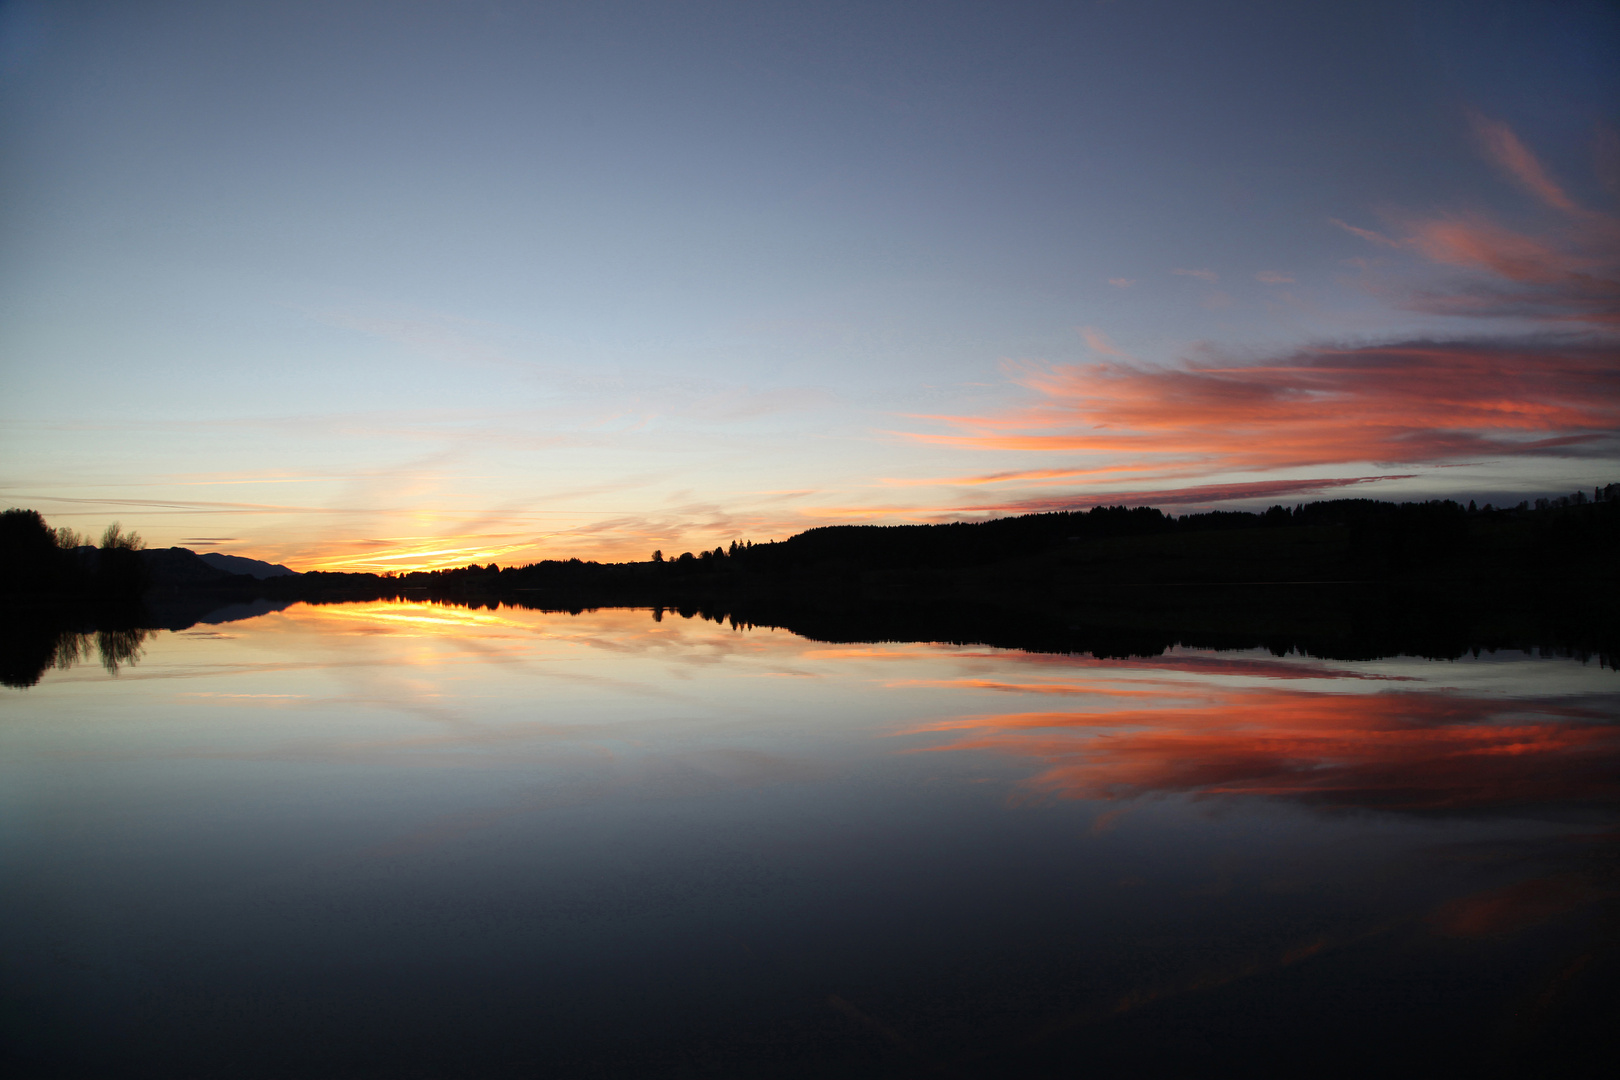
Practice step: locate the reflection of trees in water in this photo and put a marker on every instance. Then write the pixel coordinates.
(117, 648)
(120, 647)
(29, 651)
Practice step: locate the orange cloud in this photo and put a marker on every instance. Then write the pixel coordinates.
(1404, 403)
(1399, 751)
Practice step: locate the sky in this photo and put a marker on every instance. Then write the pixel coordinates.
(395, 285)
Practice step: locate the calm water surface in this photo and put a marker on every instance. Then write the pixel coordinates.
(412, 840)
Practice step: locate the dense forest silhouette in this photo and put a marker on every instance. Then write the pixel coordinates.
(1344, 578)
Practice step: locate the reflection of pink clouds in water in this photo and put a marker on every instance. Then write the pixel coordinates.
(1405, 750)
(1522, 904)
(1188, 723)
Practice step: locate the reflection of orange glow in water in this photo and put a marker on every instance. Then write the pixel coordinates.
(396, 617)
(1519, 905)
(1407, 750)
(504, 630)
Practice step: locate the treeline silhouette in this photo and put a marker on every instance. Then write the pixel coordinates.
(36, 559)
(1343, 578)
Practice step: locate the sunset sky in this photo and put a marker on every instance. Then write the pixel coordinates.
(382, 285)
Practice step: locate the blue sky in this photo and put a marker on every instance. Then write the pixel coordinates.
(407, 284)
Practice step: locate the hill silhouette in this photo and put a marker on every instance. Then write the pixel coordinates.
(236, 564)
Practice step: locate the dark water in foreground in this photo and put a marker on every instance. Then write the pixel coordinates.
(399, 840)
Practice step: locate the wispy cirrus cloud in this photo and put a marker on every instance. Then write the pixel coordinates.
(1098, 342)
(1417, 402)
(1020, 476)
(1504, 148)
(1568, 273)
(1371, 235)
(1517, 276)
(1176, 498)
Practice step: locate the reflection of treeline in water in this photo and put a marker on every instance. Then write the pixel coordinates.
(32, 643)
(1347, 577)
(1340, 622)
(1344, 577)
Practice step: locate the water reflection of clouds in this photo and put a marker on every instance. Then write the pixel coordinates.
(1386, 734)
(493, 688)
(1412, 750)
(617, 631)
(555, 764)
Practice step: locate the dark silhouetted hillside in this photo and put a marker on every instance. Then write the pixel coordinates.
(237, 564)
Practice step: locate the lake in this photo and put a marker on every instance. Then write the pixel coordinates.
(395, 839)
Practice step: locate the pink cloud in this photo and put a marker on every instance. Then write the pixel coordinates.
(1202, 495)
(1570, 275)
(1271, 277)
(1572, 280)
(1121, 283)
(1098, 342)
(1504, 148)
(1477, 244)
(1202, 275)
(1412, 402)
(1365, 234)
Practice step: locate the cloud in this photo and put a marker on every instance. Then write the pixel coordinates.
(1203, 275)
(1606, 158)
(1503, 147)
(1121, 283)
(1365, 234)
(1520, 276)
(1202, 495)
(1014, 476)
(1523, 904)
(1098, 342)
(1477, 244)
(1271, 277)
(1571, 274)
(1403, 403)
(1514, 276)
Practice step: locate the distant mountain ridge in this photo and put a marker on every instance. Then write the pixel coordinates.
(237, 564)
